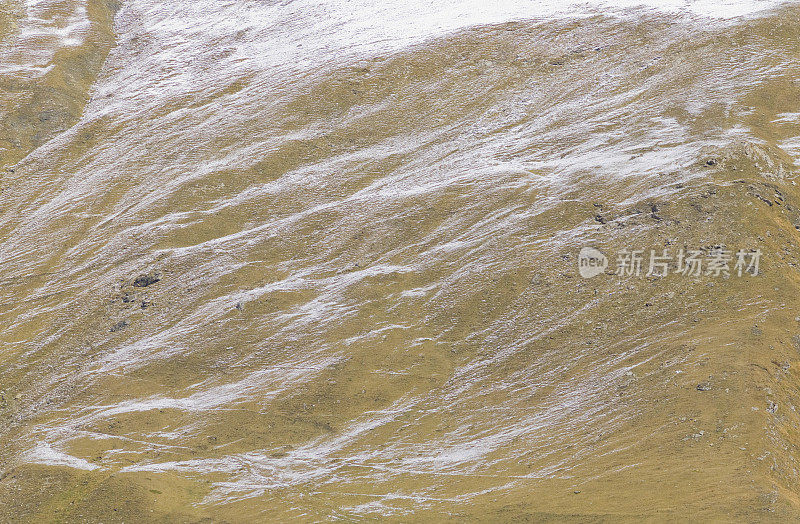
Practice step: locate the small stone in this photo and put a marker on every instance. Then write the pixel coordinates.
(146, 280)
(119, 326)
(704, 386)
